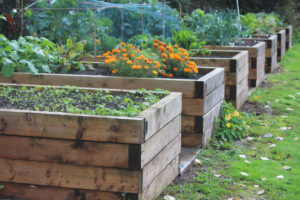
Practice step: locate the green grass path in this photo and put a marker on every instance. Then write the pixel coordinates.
(284, 99)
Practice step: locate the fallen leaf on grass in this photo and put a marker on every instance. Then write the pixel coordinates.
(231, 189)
(264, 158)
(292, 96)
(244, 174)
(263, 124)
(289, 108)
(284, 116)
(261, 192)
(272, 145)
(242, 156)
(198, 162)
(167, 197)
(286, 168)
(257, 186)
(280, 177)
(276, 101)
(267, 106)
(217, 175)
(249, 138)
(263, 179)
(241, 185)
(247, 161)
(279, 138)
(285, 128)
(296, 138)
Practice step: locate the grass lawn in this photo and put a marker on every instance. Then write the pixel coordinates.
(279, 105)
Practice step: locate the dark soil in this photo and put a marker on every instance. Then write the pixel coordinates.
(245, 43)
(211, 56)
(64, 100)
(261, 37)
(102, 72)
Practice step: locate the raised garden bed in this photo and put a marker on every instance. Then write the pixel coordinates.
(288, 36)
(280, 44)
(72, 156)
(236, 68)
(271, 50)
(256, 60)
(201, 101)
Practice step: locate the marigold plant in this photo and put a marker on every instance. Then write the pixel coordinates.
(232, 125)
(160, 61)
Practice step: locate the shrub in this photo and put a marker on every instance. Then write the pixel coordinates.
(159, 61)
(232, 124)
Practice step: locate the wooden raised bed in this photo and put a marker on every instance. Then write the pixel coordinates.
(288, 36)
(271, 50)
(65, 155)
(236, 72)
(256, 60)
(201, 101)
(280, 44)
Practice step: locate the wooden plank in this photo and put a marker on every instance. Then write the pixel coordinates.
(253, 51)
(242, 59)
(161, 113)
(64, 151)
(232, 92)
(255, 73)
(212, 62)
(72, 126)
(186, 86)
(199, 107)
(37, 192)
(207, 135)
(156, 165)
(191, 140)
(237, 104)
(69, 176)
(270, 52)
(213, 80)
(234, 78)
(160, 182)
(194, 124)
(160, 140)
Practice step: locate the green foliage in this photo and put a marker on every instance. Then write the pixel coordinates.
(145, 41)
(216, 27)
(34, 55)
(231, 125)
(296, 36)
(186, 38)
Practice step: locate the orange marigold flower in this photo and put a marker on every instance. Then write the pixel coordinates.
(165, 45)
(132, 55)
(124, 55)
(195, 70)
(175, 69)
(149, 62)
(180, 53)
(164, 55)
(171, 75)
(186, 54)
(165, 67)
(122, 44)
(155, 45)
(129, 62)
(99, 56)
(176, 46)
(124, 50)
(114, 71)
(145, 67)
(187, 58)
(154, 72)
(187, 70)
(172, 56)
(130, 45)
(164, 60)
(160, 43)
(156, 41)
(126, 58)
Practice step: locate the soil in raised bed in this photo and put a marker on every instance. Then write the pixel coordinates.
(102, 72)
(73, 100)
(211, 56)
(245, 43)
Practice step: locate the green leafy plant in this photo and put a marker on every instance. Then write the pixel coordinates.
(186, 39)
(34, 55)
(231, 125)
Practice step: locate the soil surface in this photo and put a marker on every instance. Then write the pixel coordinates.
(102, 72)
(73, 100)
(215, 55)
(245, 43)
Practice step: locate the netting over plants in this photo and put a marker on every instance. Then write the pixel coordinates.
(101, 24)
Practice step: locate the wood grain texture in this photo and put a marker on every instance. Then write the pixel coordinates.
(156, 165)
(64, 151)
(213, 80)
(71, 126)
(37, 192)
(161, 113)
(160, 140)
(191, 140)
(232, 92)
(232, 78)
(69, 176)
(238, 103)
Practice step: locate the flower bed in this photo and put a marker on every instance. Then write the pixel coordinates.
(271, 50)
(256, 60)
(280, 44)
(288, 36)
(236, 68)
(78, 154)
